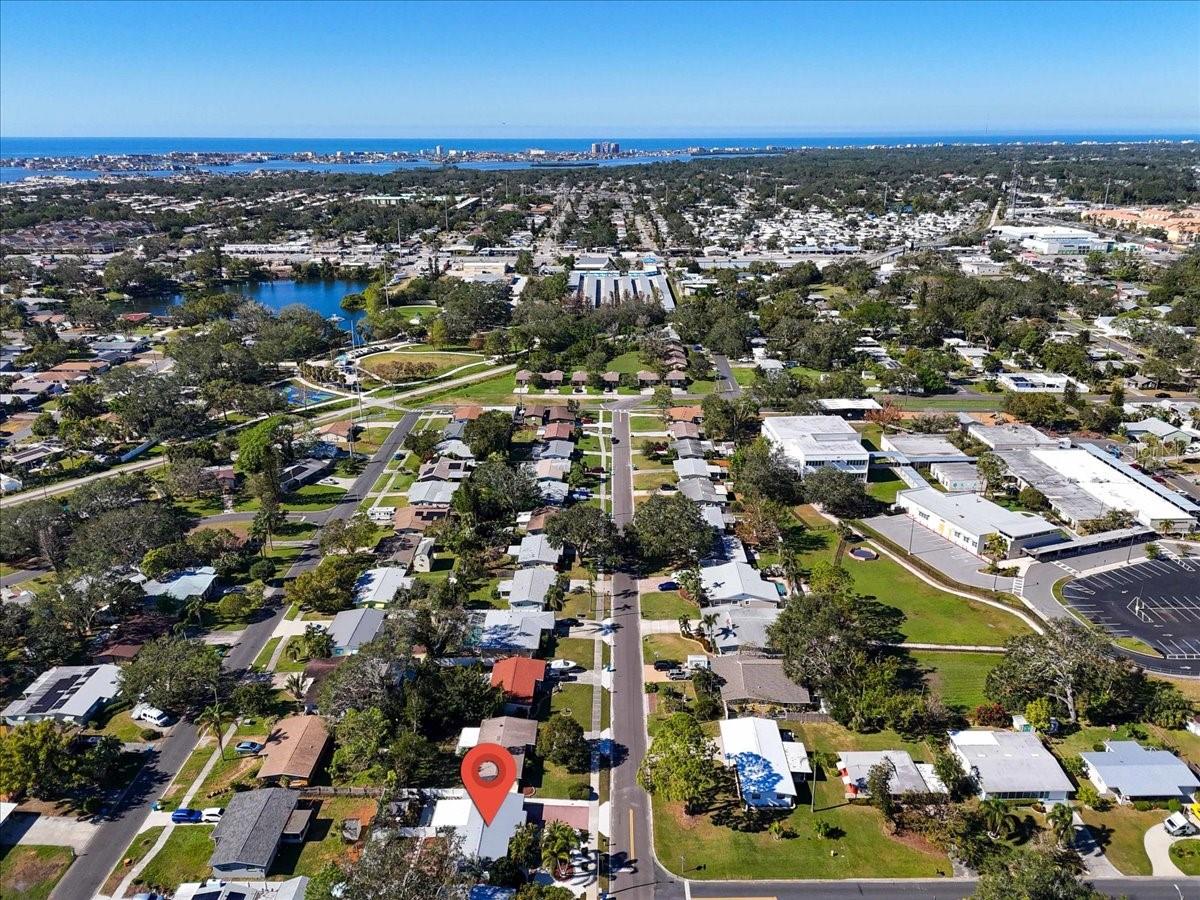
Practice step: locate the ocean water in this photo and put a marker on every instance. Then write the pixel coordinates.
(111, 146)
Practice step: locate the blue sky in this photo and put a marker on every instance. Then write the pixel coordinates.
(594, 69)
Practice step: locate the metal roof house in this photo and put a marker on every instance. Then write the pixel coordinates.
(200, 581)
(68, 694)
(1130, 772)
(536, 550)
(753, 747)
(854, 767)
(351, 628)
(376, 587)
(508, 632)
(737, 582)
(528, 587)
(1011, 764)
(249, 833)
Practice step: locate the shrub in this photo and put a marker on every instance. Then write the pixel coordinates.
(580, 792)
(1074, 766)
(1142, 805)
(823, 829)
(1174, 805)
(150, 734)
(1088, 795)
(993, 716)
(263, 570)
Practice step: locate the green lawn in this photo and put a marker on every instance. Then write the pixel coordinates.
(581, 650)
(30, 871)
(1120, 831)
(489, 391)
(115, 720)
(576, 701)
(932, 616)
(884, 485)
(1186, 855)
(139, 847)
(186, 775)
(668, 646)
(314, 498)
(957, 677)
(264, 655)
(287, 664)
(323, 843)
(694, 846)
(184, 857)
(667, 605)
(550, 779)
(217, 787)
(442, 360)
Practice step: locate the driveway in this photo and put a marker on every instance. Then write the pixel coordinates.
(55, 831)
(1158, 847)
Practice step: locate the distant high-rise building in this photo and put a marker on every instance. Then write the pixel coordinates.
(605, 148)
(596, 145)
(437, 151)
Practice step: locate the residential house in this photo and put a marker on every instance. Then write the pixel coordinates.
(854, 767)
(508, 632)
(555, 450)
(688, 448)
(294, 750)
(553, 378)
(693, 414)
(523, 378)
(740, 628)
(477, 840)
(199, 581)
(416, 519)
(579, 381)
(677, 378)
(748, 682)
(528, 587)
(559, 413)
(683, 430)
(692, 468)
(249, 833)
(702, 490)
(1011, 765)
(72, 695)
(611, 381)
(1130, 772)
(536, 550)
(220, 889)
(737, 582)
(340, 433)
(432, 493)
(517, 736)
(647, 379)
(558, 431)
(468, 412)
(376, 587)
(753, 748)
(302, 472)
(351, 628)
(445, 469)
(520, 678)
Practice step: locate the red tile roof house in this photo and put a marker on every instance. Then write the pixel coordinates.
(519, 678)
(337, 432)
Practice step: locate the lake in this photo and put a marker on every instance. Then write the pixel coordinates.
(323, 296)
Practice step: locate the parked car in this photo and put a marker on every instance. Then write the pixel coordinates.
(664, 665)
(144, 712)
(1179, 825)
(668, 585)
(212, 814)
(679, 674)
(185, 816)
(248, 747)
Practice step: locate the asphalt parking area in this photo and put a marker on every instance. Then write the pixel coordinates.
(1157, 601)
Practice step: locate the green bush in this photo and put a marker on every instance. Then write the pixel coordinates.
(580, 792)
(1174, 805)
(1143, 805)
(150, 734)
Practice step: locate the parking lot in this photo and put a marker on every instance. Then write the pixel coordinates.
(1157, 601)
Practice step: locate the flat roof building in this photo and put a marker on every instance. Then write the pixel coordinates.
(968, 520)
(1010, 765)
(809, 442)
(923, 449)
(1132, 772)
(1012, 436)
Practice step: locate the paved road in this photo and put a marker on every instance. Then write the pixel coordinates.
(943, 889)
(730, 384)
(87, 874)
(630, 848)
(63, 487)
(20, 575)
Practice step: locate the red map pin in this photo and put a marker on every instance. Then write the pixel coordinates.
(488, 771)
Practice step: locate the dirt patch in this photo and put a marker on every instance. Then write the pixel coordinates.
(914, 840)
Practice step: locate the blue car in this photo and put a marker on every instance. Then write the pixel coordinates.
(668, 585)
(186, 816)
(248, 747)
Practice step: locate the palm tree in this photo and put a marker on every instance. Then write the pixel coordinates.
(1062, 820)
(998, 817)
(214, 719)
(295, 686)
(792, 570)
(685, 625)
(193, 609)
(559, 841)
(708, 625)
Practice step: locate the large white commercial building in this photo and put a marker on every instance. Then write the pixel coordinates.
(968, 520)
(1084, 483)
(810, 442)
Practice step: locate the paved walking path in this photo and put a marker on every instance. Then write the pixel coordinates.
(169, 827)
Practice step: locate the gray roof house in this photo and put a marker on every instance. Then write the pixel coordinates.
(555, 450)
(69, 694)
(508, 632)
(1011, 764)
(758, 679)
(351, 628)
(248, 835)
(688, 448)
(200, 581)
(701, 490)
(691, 467)
(1131, 772)
(855, 766)
(535, 550)
(737, 582)
(528, 587)
(438, 493)
(742, 629)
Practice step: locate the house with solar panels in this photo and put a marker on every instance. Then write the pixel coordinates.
(69, 694)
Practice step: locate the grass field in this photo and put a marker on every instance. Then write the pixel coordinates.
(668, 646)
(884, 485)
(932, 616)
(958, 678)
(314, 498)
(184, 857)
(30, 871)
(579, 650)
(1120, 831)
(667, 605)
(576, 701)
(1186, 855)
(444, 361)
(323, 843)
(489, 391)
(137, 849)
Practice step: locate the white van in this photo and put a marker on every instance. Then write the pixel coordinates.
(144, 712)
(1179, 825)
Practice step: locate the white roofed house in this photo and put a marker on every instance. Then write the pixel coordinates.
(376, 587)
(528, 587)
(1011, 765)
(1132, 772)
(754, 749)
(68, 694)
(436, 493)
(535, 550)
(200, 581)
(351, 628)
(737, 582)
(854, 767)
